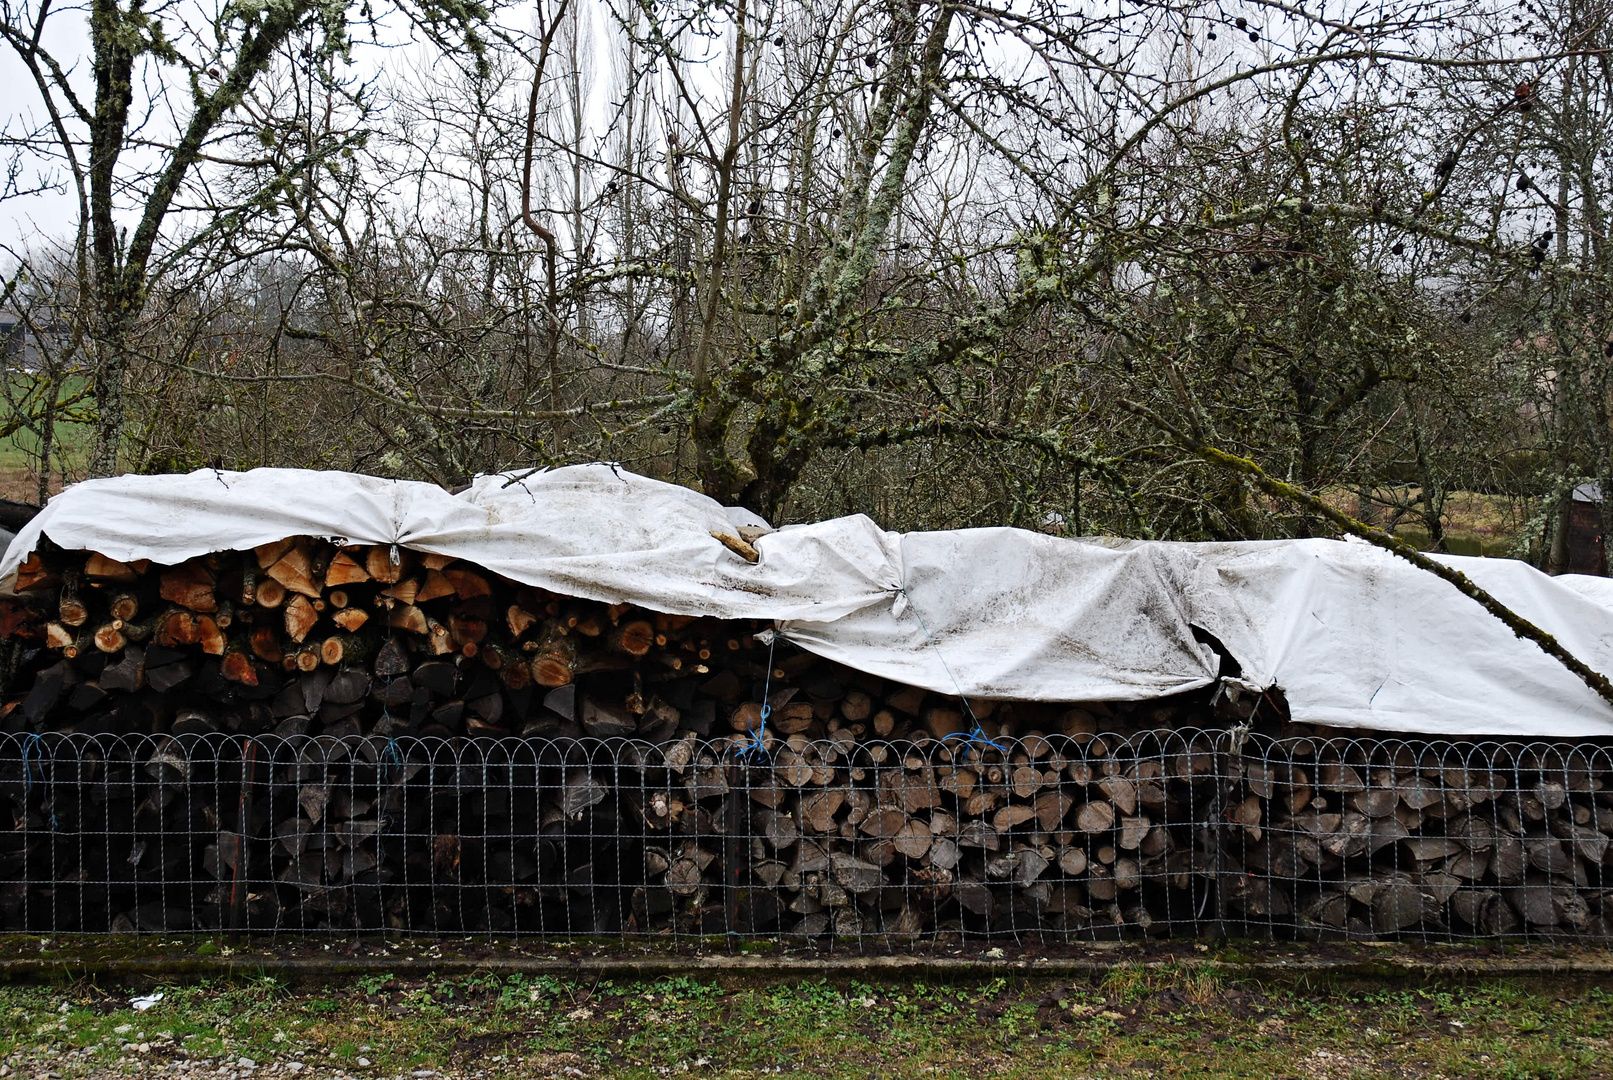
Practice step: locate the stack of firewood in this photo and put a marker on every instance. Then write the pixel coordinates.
(1163, 832)
(320, 737)
(304, 637)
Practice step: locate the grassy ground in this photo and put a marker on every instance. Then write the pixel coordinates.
(19, 451)
(1475, 523)
(1160, 1023)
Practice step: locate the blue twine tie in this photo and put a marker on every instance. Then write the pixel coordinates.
(28, 740)
(391, 753)
(756, 744)
(32, 739)
(976, 737)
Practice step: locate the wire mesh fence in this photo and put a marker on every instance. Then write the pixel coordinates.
(829, 843)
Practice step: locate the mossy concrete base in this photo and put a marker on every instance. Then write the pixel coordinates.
(132, 959)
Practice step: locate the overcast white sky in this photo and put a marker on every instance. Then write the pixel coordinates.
(52, 214)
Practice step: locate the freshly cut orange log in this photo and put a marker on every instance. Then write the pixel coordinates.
(266, 645)
(436, 586)
(552, 665)
(350, 619)
(249, 580)
(178, 627)
(71, 605)
(438, 639)
(210, 636)
(189, 585)
(269, 554)
(300, 618)
(378, 562)
(237, 666)
(34, 574)
(344, 649)
(101, 568)
(519, 619)
(344, 570)
(467, 582)
(295, 570)
(110, 637)
(410, 618)
(17, 619)
(516, 675)
(404, 592)
(633, 638)
(466, 631)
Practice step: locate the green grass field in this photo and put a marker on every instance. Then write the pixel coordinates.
(19, 450)
(1176, 1024)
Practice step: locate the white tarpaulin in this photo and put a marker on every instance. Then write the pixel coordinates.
(1006, 613)
(1357, 637)
(590, 530)
(1352, 635)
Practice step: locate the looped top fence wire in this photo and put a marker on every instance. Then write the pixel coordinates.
(824, 843)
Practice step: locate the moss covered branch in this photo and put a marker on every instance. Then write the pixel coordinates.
(1378, 537)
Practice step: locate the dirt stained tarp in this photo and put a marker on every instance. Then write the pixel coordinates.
(1352, 635)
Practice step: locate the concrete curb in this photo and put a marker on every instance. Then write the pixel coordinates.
(1280, 964)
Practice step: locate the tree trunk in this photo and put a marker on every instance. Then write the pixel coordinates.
(47, 438)
(1557, 559)
(109, 399)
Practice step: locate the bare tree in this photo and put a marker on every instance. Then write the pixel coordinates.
(820, 256)
(165, 98)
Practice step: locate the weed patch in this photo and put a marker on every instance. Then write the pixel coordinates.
(1135, 1022)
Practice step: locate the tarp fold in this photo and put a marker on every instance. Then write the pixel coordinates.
(1352, 635)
